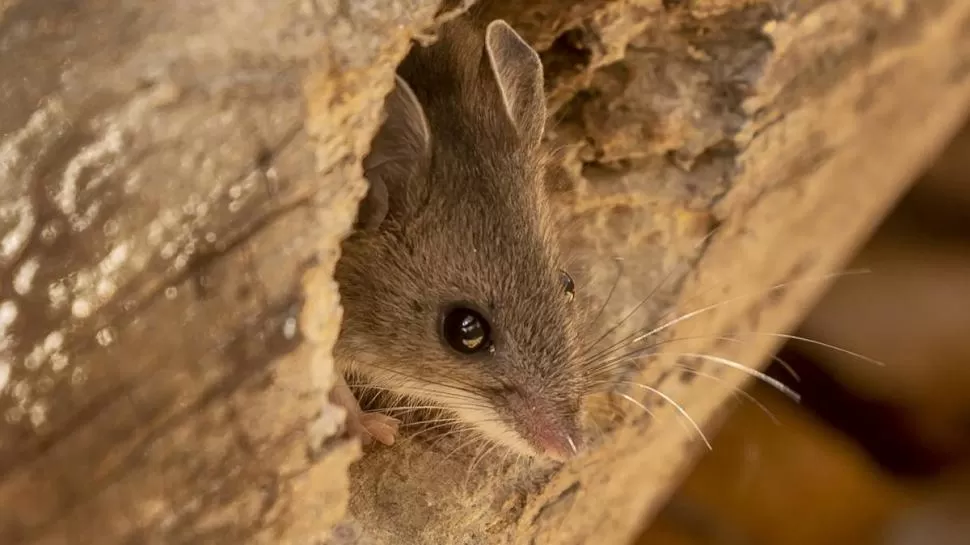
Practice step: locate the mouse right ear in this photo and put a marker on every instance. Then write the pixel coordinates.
(399, 148)
(517, 69)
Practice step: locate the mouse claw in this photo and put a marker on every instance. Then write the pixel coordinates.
(380, 426)
(364, 426)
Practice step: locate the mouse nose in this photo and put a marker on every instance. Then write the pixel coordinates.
(550, 432)
(555, 444)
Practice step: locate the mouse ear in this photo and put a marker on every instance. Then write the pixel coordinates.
(518, 71)
(400, 146)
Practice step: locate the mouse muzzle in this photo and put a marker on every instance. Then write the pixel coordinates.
(548, 431)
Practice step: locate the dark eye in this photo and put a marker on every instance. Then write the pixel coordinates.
(466, 331)
(568, 285)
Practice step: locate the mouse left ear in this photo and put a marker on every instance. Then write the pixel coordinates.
(400, 146)
(518, 71)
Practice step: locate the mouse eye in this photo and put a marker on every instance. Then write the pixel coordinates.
(568, 285)
(466, 331)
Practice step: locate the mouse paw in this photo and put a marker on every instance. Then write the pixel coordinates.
(380, 426)
(370, 426)
(364, 426)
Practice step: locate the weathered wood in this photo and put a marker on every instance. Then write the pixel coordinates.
(174, 166)
(164, 182)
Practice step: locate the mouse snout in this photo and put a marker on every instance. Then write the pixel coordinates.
(548, 431)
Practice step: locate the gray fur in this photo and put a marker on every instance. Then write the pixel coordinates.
(466, 221)
(400, 149)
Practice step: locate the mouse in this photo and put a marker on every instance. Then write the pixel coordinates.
(452, 282)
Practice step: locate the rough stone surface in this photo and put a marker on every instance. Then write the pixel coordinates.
(168, 171)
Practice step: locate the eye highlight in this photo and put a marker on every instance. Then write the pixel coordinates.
(568, 286)
(466, 331)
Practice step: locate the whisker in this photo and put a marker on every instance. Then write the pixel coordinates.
(646, 349)
(774, 357)
(739, 297)
(635, 338)
(819, 343)
(638, 404)
(463, 386)
(478, 458)
(430, 429)
(505, 457)
(649, 296)
(735, 390)
(609, 296)
(434, 421)
(450, 423)
(599, 429)
(479, 450)
(572, 445)
(604, 369)
(777, 384)
(419, 386)
(475, 437)
(403, 403)
(629, 314)
(424, 408)
(668, 399)
(462, 428)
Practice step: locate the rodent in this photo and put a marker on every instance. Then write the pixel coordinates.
(452, 285)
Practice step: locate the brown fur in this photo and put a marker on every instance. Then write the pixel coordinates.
(466, 222)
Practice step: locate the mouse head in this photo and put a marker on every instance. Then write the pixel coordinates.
(452, 286)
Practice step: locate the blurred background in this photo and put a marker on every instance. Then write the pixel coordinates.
(874, 454)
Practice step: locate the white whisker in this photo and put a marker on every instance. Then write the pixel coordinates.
(637, 403)
(777, 384)
(670, 400)
(693, 313)
(819, 343)
(644, 351)
(572, 445)
(478, 458)
(735, 390)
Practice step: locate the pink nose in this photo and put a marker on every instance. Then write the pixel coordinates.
(545, 429)
(556, 445)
